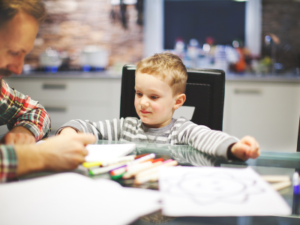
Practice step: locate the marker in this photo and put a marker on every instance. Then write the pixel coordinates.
(280, 185)
(153, 175)
(142, 155)
(125, 167)
(128, 158)
(146, 166)
(101, 170)
(117, 177)
(91, 164)
(132, 163)
(142, 159)
(144, 179)
(157, 160)
(169, 162)
(118, 171)
(109, 162)
(296, 183)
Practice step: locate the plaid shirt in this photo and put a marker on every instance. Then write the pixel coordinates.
(17, 109)
(8, 163)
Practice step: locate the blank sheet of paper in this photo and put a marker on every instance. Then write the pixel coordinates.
(209, 191)
(110, 151)
(70, 198)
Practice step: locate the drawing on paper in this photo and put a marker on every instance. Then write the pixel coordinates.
(212, 187)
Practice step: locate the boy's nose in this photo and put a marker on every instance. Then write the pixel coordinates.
(144, 102)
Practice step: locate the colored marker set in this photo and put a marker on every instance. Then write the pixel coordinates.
(143, 168)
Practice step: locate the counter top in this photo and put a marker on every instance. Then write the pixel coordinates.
(71, 75)
(288, 78)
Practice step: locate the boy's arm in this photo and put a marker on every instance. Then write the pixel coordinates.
(204, 139)
(217, 143)
(103, 130)
(19, 110)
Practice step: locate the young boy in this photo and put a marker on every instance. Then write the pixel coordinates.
(160, 83)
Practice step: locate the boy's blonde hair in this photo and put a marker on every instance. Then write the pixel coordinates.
(167, 66)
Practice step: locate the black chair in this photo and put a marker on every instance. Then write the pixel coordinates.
(205, 91)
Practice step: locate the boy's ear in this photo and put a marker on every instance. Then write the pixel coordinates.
(179, 100)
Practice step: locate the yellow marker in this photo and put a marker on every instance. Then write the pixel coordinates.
(91, 164)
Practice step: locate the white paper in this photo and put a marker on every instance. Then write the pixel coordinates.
(70, 198)
(106, 152)
(209, 191)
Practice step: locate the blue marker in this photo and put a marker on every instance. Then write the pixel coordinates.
(296, 183)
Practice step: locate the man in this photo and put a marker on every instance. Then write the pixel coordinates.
(27, 119)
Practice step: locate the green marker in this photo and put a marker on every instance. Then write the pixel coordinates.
(117, 177)
(91, 173)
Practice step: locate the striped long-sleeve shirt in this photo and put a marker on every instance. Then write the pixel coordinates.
(179, 131)
(17, 109)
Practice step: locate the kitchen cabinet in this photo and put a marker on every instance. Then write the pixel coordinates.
(76, 98)
(268, 111)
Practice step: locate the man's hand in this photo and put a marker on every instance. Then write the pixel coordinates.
(60, 153)
(18, 135)
(65, 152)
(246, 148)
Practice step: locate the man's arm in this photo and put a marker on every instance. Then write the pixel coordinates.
(60, 153)
(8, 163)
(19, 110)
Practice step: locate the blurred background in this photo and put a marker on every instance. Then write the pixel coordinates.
(75, 67)
(255, 36)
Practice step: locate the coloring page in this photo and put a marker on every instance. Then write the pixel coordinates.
(215, 191)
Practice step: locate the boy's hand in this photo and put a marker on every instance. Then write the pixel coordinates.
(246, 148)
(68, 131)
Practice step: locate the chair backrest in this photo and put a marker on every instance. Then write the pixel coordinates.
(204, 91)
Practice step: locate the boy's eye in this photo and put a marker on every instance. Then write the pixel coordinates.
(139, 94)
(154, 97)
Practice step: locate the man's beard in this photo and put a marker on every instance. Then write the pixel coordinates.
(5, 73)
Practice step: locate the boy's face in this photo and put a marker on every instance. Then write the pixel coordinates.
(154, 101)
